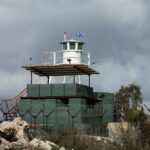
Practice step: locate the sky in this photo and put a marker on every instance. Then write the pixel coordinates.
(117, 35)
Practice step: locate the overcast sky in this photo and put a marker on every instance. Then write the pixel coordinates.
(117, 35)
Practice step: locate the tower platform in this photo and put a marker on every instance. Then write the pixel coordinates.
(61, 69)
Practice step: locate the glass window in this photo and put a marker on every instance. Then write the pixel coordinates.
(64, 46)
(80, 46)
(72, 45)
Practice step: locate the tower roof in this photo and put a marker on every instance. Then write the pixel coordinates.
(72, 40)
(60, 69)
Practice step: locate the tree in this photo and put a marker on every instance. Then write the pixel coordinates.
(128, 102)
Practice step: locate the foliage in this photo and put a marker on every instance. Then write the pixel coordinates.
(70, 139)
(127, 140)
(145, 133)
(128, 102)
(128, 108)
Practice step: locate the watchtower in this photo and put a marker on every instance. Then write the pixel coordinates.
(66, 105)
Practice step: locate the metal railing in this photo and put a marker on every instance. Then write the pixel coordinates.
(57, 57)
(9, 107)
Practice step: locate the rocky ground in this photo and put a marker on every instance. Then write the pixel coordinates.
(19, 135)
(16, 135)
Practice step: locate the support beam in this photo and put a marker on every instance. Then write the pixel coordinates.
(82, 70)
(47, 79)
(89, 80)
(41, 73)
(31, 76)
(74, 80)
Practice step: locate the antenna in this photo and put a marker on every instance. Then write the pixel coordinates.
(65, 36)
(30, 60)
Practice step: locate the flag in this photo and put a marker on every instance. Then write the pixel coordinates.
(80, 34)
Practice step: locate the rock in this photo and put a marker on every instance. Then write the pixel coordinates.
(13, 134)
(36, 143)
(62, 148)
(5, 145)
(20, 144)
(53, 144)
(16, 135)
(115, 129)
(17, 125)
(9, 134)
(123, 132)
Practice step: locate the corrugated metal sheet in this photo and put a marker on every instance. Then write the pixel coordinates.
(58, 90)
(70, 89)
(49, 113)
(45, 90)
(24, 109)
(33, 90)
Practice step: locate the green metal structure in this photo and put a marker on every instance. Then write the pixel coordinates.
(54, 106)
(67, 105)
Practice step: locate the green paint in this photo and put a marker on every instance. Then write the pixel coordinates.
(33, 90)
(45, 90)
(52, 114)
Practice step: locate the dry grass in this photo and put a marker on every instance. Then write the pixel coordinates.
(70, 139)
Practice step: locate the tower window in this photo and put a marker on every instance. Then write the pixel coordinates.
(72, 45)
(64, 46)
(80, 46)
